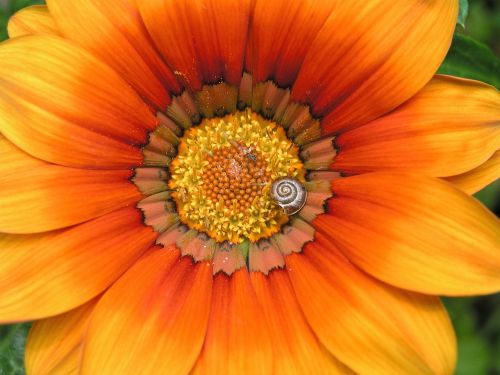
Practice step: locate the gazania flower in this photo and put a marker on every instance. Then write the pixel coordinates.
(241, 187)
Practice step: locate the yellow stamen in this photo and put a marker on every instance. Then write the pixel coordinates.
(222, 176)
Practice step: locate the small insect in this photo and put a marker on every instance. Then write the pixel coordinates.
(252, 157)
(246, 151)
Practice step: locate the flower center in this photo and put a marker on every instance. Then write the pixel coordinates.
(223, 175)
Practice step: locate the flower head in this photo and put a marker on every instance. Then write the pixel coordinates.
(241, 187)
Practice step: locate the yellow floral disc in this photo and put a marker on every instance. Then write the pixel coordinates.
(222, 176)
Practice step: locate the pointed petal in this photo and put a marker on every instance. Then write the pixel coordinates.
(237, 339)
(372, 56)
(32, 20)
(203, 41)
(371, 327)
(50, 197)
(415, 232)
(281, 32)
(60, 104)
(151, 321)
(450, 127)
(473, 181)
(114, 32)
(296, 348)
(46, 274)
(54, 345)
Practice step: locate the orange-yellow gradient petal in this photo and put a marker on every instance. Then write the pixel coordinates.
(203, 41)
(371, 56)
(31, 189)
(296, 348)
(114, 32)
(448, 128)
(415, 232)
(46, 274)
(281, 33)
(32, 20)
(151, 321)
(237, 339)
(371, 327)
(51, 197)
(12, 159)
(54, 345)
(60, 104)
(473, 181)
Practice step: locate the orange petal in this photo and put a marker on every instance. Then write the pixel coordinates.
(203, 41)
(372, 56)
(12, 159)
(60, 104)
(46, 274)
(296, 348)
(370, 326)
(50, 197)
(473, 181)
(54, 345)
(237, 340)
(415, 232)
(448, 128)
(32, 20)
(281, 33)
(151, 321)
(114, 32)
(31, 189)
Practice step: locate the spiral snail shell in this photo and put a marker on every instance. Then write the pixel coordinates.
(289, 194)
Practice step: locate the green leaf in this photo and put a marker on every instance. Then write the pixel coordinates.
(474, 356)
(490, 196)
(4, 17)
(463, 11)
(19, 4)
(462, 315)
(12, 340)
(474, 353)
(7, 8)
(468, 58)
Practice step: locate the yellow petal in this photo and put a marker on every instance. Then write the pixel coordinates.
(54, 345)
(237, 339)
(415, 232)
(60, 104)
(31, 189)
(371, 56)
(371, 327)
(296, 348)
(32, 20)
(13, 159)
(52, 197)
(151, 321)
(473, 181)
(114, 32)
(46, 274)
(450, 127)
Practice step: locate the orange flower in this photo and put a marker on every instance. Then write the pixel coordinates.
(241, 187)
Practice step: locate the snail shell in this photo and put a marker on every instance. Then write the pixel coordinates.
(289, 194)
